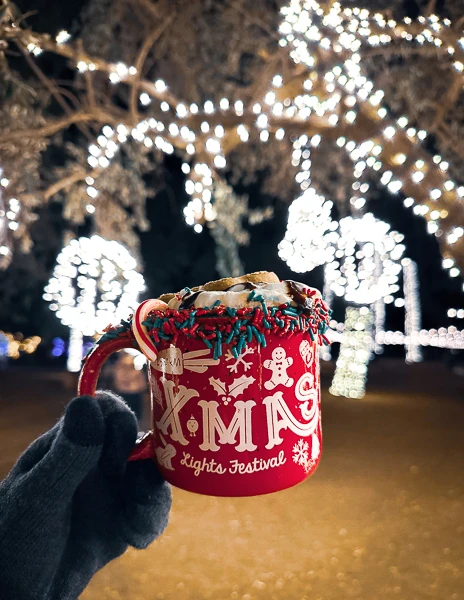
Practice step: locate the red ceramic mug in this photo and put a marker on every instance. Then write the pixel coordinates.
(227, 420)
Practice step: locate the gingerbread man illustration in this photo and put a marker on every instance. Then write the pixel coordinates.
(278, 365)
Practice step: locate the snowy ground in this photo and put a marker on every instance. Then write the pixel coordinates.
(382, 518)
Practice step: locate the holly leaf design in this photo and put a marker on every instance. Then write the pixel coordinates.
(157, 393)
(219, 386)
(240, 385)
(165, 456)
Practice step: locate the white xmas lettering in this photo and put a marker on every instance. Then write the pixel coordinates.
(174, 403)
(275, 407)
(241, 423)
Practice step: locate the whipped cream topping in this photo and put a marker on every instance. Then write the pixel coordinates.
(238, 296)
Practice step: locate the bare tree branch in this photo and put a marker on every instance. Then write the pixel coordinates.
(140, 61)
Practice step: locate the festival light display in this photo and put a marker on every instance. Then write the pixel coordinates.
(333, 98)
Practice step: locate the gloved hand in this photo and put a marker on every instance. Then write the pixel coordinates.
(72, 503)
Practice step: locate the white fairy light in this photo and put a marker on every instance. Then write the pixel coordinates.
(219, 161)
(95, 282)
(412, 310)
(213, 145)
(63, 37)
(325, 352)
(181, 110)
(160, 85)
(353, 272)
(306, 244)
(355, 351)
(145, 99)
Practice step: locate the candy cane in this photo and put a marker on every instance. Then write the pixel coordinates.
(140, 331)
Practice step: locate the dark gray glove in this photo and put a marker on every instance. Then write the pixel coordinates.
(72, 503)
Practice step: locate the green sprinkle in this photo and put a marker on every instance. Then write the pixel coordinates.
(311, 334)
(231, 311)
(230, 336)
(267, 325)
(217, 303)
(257, 334)
(251, 295)
(217, 350)
(207, 343)
(234, 351)
(249, 334)
(237, 326)
(191, 320)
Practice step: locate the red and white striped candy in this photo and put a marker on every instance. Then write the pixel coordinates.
(140, 331)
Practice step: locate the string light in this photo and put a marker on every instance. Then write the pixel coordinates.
(94, 283)
(345, 93)
(9, 214)
(63, 37)
(357, 272)
(355, 350)
(445, 337)
(412, 310)
(310, 230)
(310, 21)
(325, 351)
(379, 323)
(17, 344)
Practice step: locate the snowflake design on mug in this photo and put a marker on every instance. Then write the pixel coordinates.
(300, 452)
(301, 455)
(233, 367)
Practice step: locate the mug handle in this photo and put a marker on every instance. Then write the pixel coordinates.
(93, 363)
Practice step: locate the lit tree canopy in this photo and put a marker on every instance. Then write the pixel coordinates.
(317, 96)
